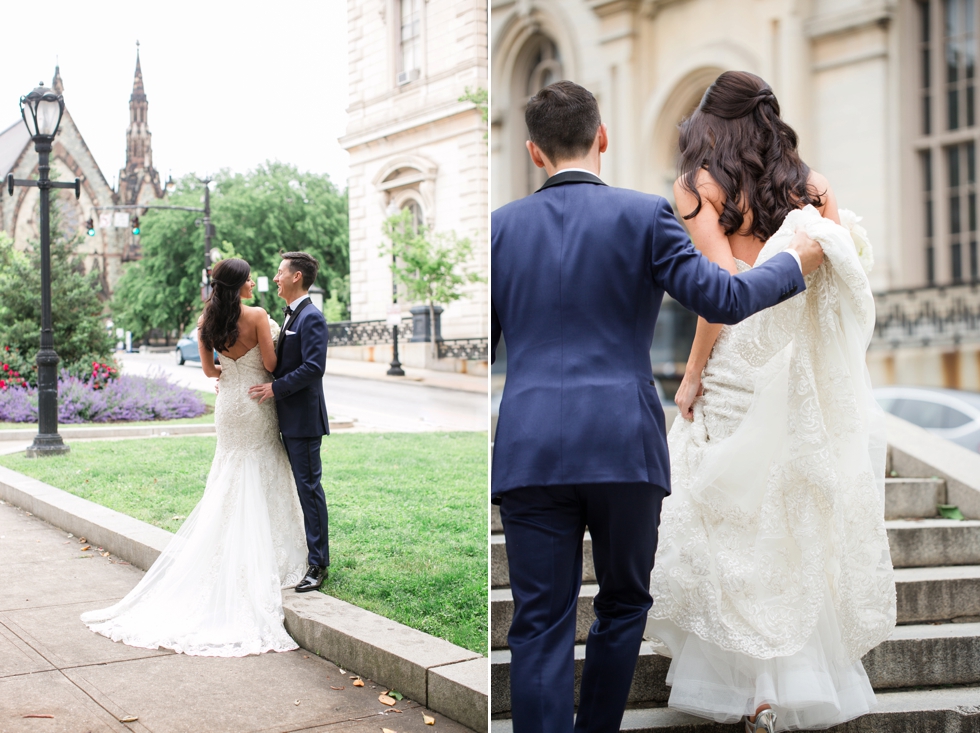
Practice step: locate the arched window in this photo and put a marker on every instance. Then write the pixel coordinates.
(539, 64)
(416, 209)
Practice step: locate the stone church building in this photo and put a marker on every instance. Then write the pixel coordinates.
(881, 92)
(139, 183)
(413, 144)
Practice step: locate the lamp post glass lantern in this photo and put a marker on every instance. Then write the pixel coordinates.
(42, 110)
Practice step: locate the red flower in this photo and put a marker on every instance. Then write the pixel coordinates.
(6, 368)
(16, 374)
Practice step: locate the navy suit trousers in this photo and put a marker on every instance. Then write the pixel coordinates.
(304, 458)
(544, 527)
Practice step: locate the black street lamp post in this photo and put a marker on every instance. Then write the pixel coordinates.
(208, 231)
(396, 366)
(42, 110)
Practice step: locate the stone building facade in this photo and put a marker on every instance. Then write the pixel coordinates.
(139, 182)
(414, 144)
(881, 93)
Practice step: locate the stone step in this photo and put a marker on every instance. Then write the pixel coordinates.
(913, 656)
(913, 497)
(905, 498)
(502, 613)
(913, 543)
(916, 543)
(500, 573)
(909, 711)
(938, 593)
(932, 594)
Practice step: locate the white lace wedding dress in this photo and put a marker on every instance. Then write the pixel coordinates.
(215, 590)
(773, 576)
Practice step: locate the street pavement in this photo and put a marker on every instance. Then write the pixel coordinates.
(373, 403)
(56, 675)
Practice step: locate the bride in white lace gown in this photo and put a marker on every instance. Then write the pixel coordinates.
(773, 576)
(216, 588)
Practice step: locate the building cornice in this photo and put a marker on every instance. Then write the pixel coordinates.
(425, 117)
(878, 12)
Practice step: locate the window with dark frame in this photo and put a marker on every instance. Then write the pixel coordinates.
(947, 123)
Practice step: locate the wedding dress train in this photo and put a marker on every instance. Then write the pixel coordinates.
(216, 588)
(773, 576)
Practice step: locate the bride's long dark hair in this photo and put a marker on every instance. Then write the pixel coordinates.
(736, 135)
(219, 326)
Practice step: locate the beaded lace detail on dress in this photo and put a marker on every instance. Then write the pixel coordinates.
(777, 509)
(216, 588)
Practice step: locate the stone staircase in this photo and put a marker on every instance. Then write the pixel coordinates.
(926, 675)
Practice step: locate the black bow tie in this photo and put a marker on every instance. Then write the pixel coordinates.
(287, 311)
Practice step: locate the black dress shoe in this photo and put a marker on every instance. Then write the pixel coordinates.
(315, 575)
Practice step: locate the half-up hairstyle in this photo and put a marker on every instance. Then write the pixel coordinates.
(736, 135)
(219, 325)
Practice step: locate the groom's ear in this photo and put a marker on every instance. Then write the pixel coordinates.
(603, 137)
(537, 157)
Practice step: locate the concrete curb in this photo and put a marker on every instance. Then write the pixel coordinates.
(112, 431)
(448, 679)
(133, 431)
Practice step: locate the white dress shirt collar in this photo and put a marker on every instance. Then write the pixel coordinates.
(580, 170)
(299, 300)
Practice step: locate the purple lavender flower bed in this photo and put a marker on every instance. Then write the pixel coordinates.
(122, 399)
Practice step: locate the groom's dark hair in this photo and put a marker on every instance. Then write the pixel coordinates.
(304, 263)
(562, 120)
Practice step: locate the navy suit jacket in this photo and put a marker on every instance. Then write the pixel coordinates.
(579, 273)
(298, 385)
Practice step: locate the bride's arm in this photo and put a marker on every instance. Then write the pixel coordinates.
(208, 366)
(264, 334)
(709, 237)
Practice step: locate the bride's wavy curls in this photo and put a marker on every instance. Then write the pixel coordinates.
(219, 325)
(736, 135)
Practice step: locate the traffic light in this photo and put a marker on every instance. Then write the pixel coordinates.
(136, 225)
(91, 227)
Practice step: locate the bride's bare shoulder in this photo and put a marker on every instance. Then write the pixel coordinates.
(818, 185)
(707, 188)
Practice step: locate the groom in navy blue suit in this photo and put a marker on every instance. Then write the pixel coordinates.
(579, 270)
(297, 386)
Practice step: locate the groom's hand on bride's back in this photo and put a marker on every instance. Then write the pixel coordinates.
(809, 250)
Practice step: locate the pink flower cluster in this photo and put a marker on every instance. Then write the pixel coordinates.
(101, 374)
(11, 377)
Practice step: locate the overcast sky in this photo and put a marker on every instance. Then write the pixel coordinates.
(230, 84)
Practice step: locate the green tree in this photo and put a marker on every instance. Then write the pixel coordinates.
(433, 266)
(480, 98)
(163, 289)
(77, 317)
(257, 215)
(275, 209)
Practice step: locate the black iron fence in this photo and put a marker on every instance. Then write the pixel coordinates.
(367, 333)
(474, 349)
(376, 333)
(931, 316)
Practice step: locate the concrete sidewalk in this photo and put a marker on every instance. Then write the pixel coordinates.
(51, 665)
(424, 377)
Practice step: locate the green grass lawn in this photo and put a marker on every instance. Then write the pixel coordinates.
(408, 514)
(206, 418)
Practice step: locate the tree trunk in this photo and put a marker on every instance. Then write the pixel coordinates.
(432, 329)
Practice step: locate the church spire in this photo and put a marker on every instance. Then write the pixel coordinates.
(56, 84)
(139, 154)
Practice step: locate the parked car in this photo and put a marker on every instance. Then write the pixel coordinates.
(187, 349)
(949, 413)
